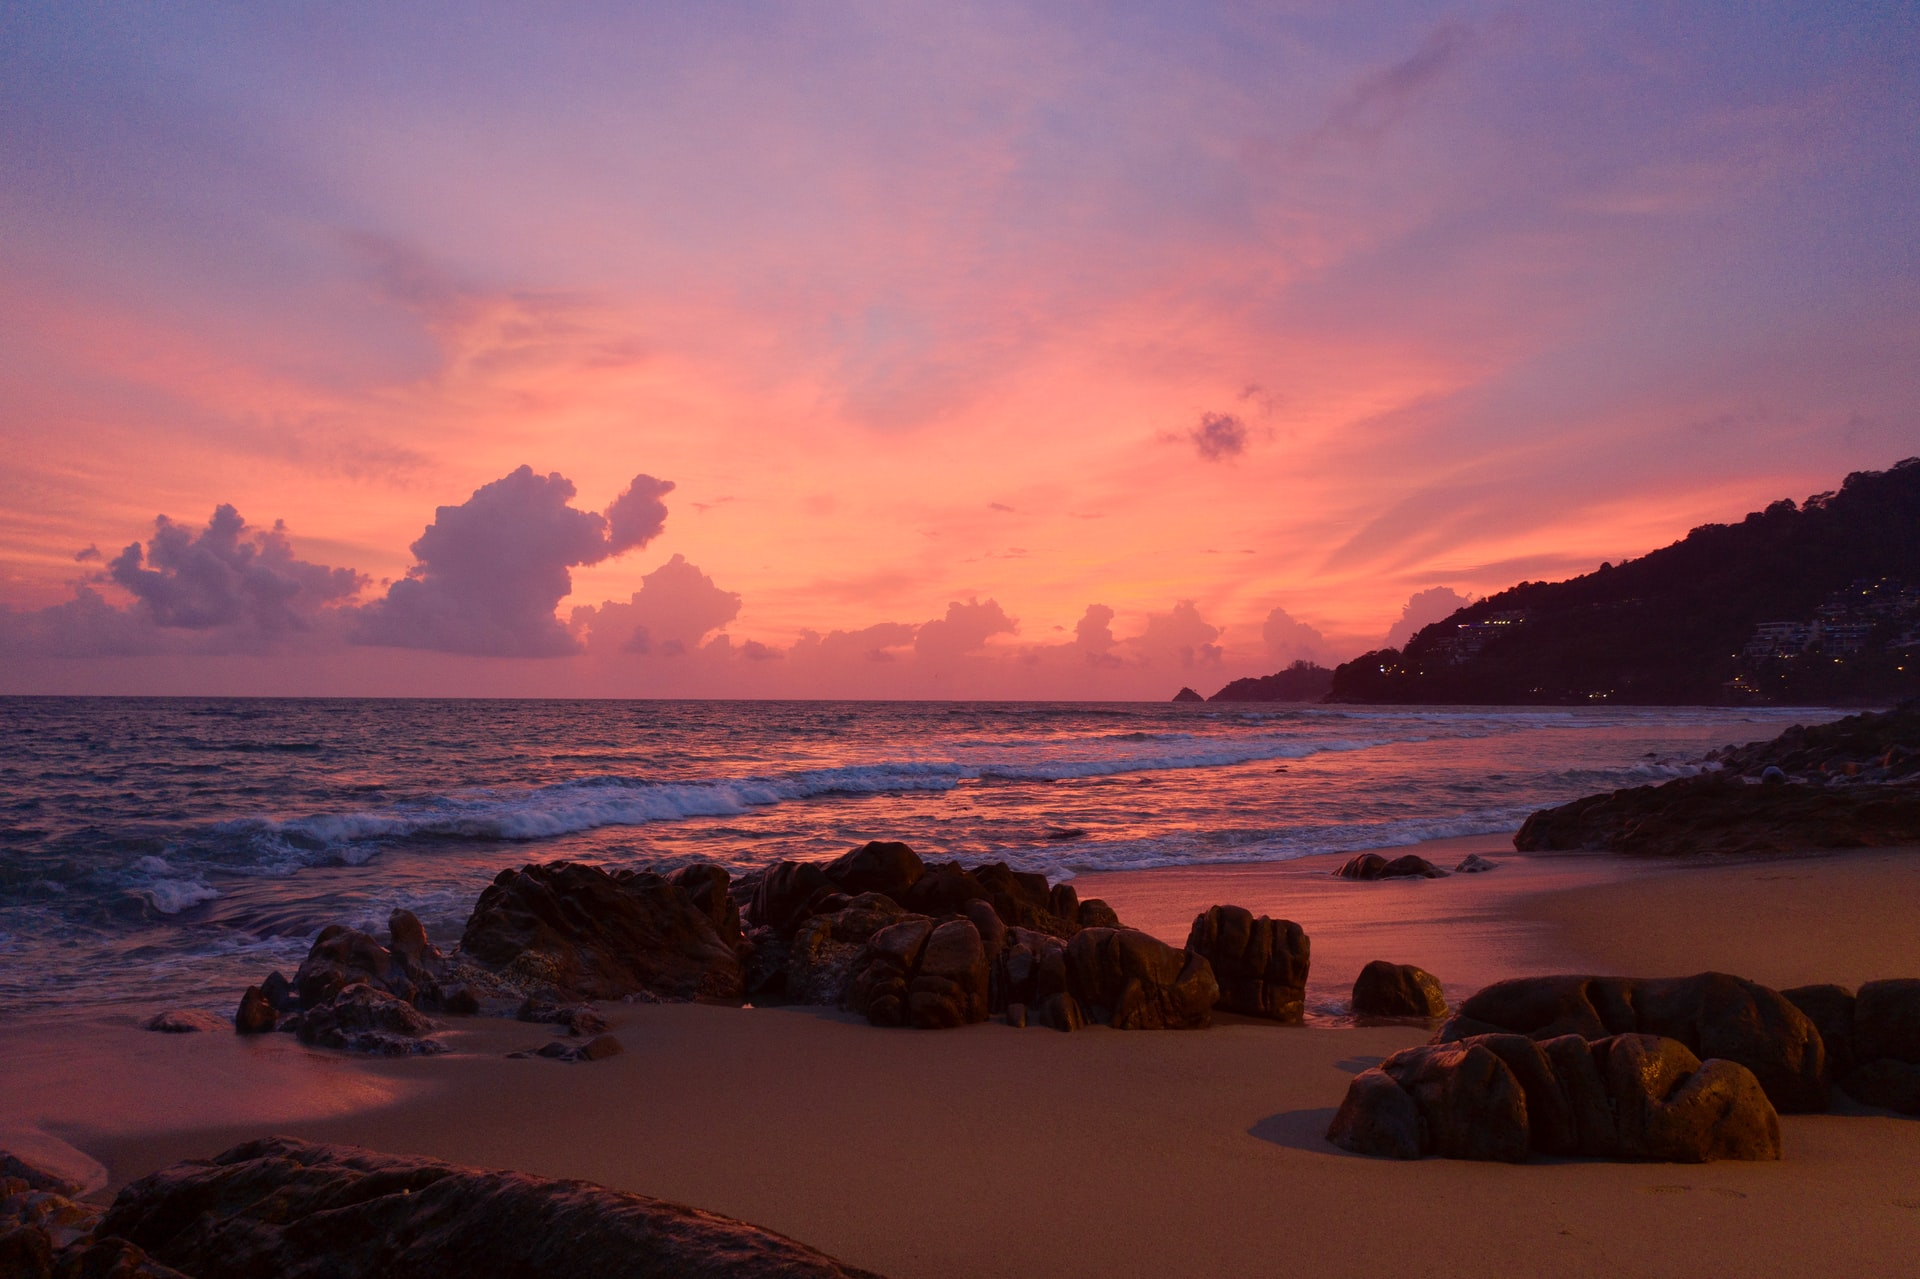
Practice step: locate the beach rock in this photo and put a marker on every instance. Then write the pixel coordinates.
(1830, 1009)
(1374, 866)
(879, 866)
(255, 1015)
(1501, 1097)
(1016, 1016)
(1029, 967)
(363, 1019)
(575, 932)
(1710, 1013)
(950, 986)
(1379, 1117)
(300, 1211)
(1259, 964)
(992, 929)
(1060, 1011)
(279, 992)
(1886, 1020)
(707, 887)
(828, 951)
(1475, 864)
(1397, 990)
(787, 894)
(764, 965)
(341, 956)
(1064, 900)
(184, 1021)
(579, 1019)
(409, 950)
(1094, 913)
(31, 1175)
(1718, 813)
(1886, 1083)
(599, 1048)
(945, 889)
(1126, 979)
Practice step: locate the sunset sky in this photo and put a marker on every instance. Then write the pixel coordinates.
(907, 349)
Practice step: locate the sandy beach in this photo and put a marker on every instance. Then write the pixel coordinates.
(993, 1151)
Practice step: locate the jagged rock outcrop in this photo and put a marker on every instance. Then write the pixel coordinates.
(362, 1019)
(1712, 1014)
(409, 967)
(789, 893)
(296, 1210)
(48, 1232)
(1503, 1097)
(576, 932)
(1397, 990)
(1259, 964)
(1374, 866)
(828, 950)
(1123, 978)
(1872, 1039)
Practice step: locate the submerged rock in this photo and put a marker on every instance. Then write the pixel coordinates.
(1397, 990)
(300, 1211)
(1503, 1097)
(1374, 866)
(1260, 964)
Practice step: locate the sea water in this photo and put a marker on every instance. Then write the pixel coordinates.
(172, 850)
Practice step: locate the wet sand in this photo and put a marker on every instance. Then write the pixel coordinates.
(991, 1151)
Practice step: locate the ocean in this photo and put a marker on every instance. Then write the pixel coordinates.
(169, 851)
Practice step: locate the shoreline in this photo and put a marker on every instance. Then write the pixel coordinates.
(988, 1150)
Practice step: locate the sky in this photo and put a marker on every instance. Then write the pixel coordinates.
(910, 350)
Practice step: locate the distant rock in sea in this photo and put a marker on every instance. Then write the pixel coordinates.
(1188, 695)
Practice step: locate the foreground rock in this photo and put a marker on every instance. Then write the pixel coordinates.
(1712, 1014)
(299, 1211)
(1397, 990)
(1374, 866)
(576, 932)
(1260, 964)
(362, 1019)
(46, 1231)
(1872, 1039)
(1504, 1097)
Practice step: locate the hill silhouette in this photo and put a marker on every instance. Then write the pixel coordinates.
(1811, 603)
(1300, 682)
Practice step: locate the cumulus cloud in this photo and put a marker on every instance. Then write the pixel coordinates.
(228, 574)
(1182, 636)
(1219, 436)
(881, 642)
(676, 607)
(489, 573)
(228, 587)
(1093, 634)
(965, 629)
(1423, 609)
(1290, 640)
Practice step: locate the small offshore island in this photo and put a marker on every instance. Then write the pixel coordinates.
(1526, 1064)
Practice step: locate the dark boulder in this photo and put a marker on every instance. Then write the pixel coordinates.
(1374, 866)
(1711, 1014)
(707, 887)
(949, 988)
(1260, 964)
(1503, 1097)
(1475, 864)
(826, 951)
(1830, 1009)
(1887, 1083)
(1094, 913)
(299, 1211)
(879, 866)
(255, 1015)
(787, 894)
(575, 932)
(1131, 981)
(184, 1021)
(1060, 1011)
(599, 1048)
(363, 1019)
(1886, 1020)
(1397, 990)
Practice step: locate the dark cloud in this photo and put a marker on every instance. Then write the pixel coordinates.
(88, 556)
(1380, 100)
(676, 607)
(490, 572)
(1219, 436)
(1425, 608)
(228, 574)
(226, 588)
